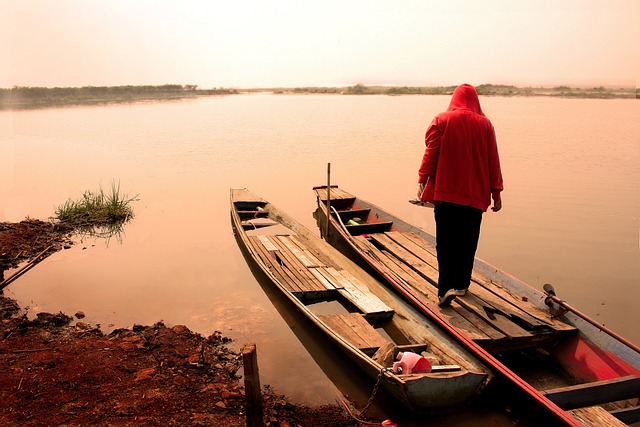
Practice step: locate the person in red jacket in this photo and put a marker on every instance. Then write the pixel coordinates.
(460, 174)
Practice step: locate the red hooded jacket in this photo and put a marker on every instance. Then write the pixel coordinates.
(461, 163)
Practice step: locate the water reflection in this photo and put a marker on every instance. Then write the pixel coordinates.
(570, 216)
(104, 232)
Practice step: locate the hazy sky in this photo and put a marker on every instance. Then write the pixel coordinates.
(269, 43)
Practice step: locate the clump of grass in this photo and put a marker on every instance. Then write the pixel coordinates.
(98, 208)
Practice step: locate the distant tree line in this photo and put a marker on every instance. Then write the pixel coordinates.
(25, 97)
(495, 90)
(36, 97)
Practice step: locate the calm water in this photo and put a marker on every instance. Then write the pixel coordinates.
(571, 206)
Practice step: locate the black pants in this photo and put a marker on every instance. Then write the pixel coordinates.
(457, 235)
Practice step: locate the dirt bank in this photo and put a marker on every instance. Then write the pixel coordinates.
(55, 373)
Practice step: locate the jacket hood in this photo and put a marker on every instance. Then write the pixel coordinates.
(465, 97)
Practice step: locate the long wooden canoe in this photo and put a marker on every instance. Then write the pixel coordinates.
(563, 362)
(369, 323)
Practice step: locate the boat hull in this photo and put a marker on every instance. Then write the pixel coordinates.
(372, 236)
(272, 253)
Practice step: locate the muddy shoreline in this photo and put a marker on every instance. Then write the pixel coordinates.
(54, 372)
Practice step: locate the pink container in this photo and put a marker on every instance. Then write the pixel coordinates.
(411, 363)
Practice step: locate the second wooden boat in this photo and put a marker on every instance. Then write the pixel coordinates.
(562, 361)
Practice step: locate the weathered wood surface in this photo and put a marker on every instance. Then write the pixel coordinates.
(335, 194)
(595, 416)
(415, 281)
(526, 311)
(495, 317)
(362, 297)
(292, 261)
(300, 271)
(369, 228)
(581, 395)
(244, 195)
(299, 262)
(355, 329)
(283, 275)
(354, 213)
(282, 263)
(627, 415)
(488, 314)
(255, 412)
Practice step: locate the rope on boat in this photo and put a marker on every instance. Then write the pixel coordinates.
(385, 423)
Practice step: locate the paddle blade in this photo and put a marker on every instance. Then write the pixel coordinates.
(419, 202)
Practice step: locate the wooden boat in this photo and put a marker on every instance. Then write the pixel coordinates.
(370, 324)
(560, 358)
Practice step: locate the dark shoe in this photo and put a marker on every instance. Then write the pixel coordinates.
(461, 292)
(445, 300)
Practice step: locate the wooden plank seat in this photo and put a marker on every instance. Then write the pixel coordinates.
(335, 194)
(252, 213)
(255, 223)
(349, 214)
(339, 198)
(628, 415)
(369, 228)
(595, 416)
(245, 201)
(595, 393)
(359, 295)
(331, 278)
(355, 329)
(242, 195)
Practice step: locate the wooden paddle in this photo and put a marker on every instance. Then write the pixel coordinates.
(418, 200)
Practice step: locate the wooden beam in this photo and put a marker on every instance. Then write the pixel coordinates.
(369, 228)
(354, 213)
(595, 416)
(255, 414)
(355, 329)
(627, 415)
(595, 393)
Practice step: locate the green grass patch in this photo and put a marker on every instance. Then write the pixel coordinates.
(98, 208)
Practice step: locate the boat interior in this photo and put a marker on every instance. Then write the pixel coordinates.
(337, 298)
(491, 315)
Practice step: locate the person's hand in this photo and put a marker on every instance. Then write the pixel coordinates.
(497, 205)
(420, 190)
